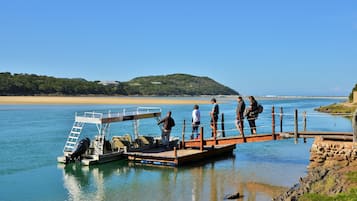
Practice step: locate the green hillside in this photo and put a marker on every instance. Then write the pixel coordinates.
(166, 85)
(176, 84)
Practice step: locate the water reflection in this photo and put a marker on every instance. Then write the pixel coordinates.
(88, 183)
(212, 180)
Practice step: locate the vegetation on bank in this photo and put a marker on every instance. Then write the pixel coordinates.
(166, 85)
(351, 195)
(347, 107)
(337, 108)
(350, 97)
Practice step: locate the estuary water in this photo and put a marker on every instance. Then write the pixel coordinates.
(32, 136)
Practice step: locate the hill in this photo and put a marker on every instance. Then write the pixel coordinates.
(175, 84)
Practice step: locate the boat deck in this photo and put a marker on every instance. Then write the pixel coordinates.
(180, 156)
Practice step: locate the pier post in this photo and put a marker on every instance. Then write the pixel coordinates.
(215, 135)
(304, 121)
(175, 152)
(183, 134)
(281, 119)
(273, 123)
(175, 156)
(354, 126)
(243, 136)
(201, 138)
(222, 126)
(304, 124)
(296, 126)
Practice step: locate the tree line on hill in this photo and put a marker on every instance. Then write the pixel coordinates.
(165, 85)
(31, 84)
(351, 94)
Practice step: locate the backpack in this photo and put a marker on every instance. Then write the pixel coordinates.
(260, 108)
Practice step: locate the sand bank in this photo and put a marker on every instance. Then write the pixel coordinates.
(99, 100)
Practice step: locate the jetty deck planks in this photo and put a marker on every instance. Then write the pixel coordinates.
(180, 156)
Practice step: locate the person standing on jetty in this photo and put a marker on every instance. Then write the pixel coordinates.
(240, 115)
(166, 129)
(214, 116)
(196, 120)
(252, 114)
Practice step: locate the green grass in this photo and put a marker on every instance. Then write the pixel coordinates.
(350, 196)
(324, 186)
(315, 197)
(352, 176)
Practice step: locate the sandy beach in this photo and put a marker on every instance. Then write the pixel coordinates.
(99, 100)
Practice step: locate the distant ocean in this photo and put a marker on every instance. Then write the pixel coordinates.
(32, 136)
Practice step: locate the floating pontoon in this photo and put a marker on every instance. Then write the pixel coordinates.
(101, 149)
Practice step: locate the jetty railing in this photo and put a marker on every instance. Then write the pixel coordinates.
(277, 129)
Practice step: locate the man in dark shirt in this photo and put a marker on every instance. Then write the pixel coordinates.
(214, 117)
(240, 115)
(166, 129)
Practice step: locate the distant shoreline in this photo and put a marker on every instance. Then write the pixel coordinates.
(136, 100)
(111, 100)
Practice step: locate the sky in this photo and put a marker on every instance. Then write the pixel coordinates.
(256, 47)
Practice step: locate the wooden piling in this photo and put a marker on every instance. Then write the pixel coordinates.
(175, 152)
(354, 126)
(296, 126)
(183, 134)
(281, 119)
(215, 133)
(201, 138)
(222, 126)
(304, 124)
(273, 123)
(243, 136)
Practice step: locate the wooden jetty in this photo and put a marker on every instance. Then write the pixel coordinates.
(178, 157)
(190, 151)
(296, 134)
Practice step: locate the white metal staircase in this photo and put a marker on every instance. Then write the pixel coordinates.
(73, 136)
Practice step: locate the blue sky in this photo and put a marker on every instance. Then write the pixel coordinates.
(255, 47)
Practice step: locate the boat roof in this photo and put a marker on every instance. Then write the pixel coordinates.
(124, 114)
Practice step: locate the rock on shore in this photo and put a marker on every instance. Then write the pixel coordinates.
(329, 163)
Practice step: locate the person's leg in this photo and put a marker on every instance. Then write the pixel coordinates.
(254, 127)
(212, 127)
(163, 136)
(215, 129)
(168, 137)
(237, 125)
(195, 131)
(241, 126)
(165, 139)
(251, 125)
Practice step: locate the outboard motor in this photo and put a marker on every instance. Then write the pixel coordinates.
(82, 147)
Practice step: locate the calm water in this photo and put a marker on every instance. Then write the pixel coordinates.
(32, 136)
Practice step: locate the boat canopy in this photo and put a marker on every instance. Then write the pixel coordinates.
(118, 116)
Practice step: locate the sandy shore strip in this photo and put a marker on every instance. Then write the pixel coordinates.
(10, 100)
